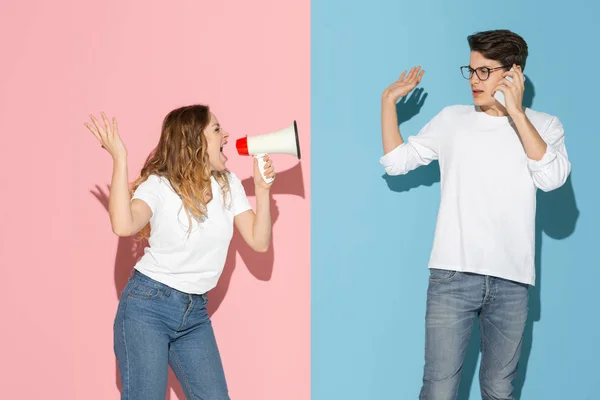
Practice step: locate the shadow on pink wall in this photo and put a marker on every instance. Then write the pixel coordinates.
(260, 265)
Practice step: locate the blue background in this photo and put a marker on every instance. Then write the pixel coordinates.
(372, 234)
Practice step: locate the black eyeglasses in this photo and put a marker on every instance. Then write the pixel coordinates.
(483, 73)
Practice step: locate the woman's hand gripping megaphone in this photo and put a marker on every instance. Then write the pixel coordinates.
(264, 173)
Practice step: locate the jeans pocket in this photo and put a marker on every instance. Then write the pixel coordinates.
(140, 290)
(441, 275)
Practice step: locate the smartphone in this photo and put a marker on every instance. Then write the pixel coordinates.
(498, 95)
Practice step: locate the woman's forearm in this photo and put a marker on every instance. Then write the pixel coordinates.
(262, 221)
(119, 208)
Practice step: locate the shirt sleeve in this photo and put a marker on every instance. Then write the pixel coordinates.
(553, 169)
(239, 200)
(417, 150)
(150, 191)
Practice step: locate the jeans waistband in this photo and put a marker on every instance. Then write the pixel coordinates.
(139, 276)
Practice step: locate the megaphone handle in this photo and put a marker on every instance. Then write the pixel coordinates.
(261, 166)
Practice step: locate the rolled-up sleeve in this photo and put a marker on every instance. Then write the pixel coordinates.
(553, 169)
(416, 151)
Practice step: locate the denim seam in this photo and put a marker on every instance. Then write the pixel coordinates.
(183, 374)
(493, 290)
(146, 289)
(482, 370)
(487, 295)
(482, 366)
(187, 313)
(444, 280)
(125, 346)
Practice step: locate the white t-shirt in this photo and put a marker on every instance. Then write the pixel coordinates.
(189, 261)
(486, 219)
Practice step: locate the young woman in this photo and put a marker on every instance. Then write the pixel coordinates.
(186, 203)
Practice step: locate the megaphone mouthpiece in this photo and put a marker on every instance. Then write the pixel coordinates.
(242, 146)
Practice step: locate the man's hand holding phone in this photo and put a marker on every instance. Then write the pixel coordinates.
(509, 91)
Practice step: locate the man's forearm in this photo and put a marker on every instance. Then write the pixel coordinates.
(534, 145)
(390, 133)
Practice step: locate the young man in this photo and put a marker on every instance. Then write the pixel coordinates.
(492, 159)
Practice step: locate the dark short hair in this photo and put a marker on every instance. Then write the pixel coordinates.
(500, 45)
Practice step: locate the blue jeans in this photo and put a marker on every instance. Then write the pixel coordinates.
(453, 301)
(157, 326)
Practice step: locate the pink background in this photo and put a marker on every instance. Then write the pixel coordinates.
(62, 267)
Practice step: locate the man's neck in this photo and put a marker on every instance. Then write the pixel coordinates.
(495, 111)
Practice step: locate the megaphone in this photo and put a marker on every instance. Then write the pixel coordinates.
(283, 141)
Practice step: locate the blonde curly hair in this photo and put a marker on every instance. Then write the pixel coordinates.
(181, 156)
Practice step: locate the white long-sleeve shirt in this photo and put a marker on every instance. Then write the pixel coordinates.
(486, 219)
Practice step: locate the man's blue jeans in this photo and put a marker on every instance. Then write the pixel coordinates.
(157, 326)
(454, 299)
